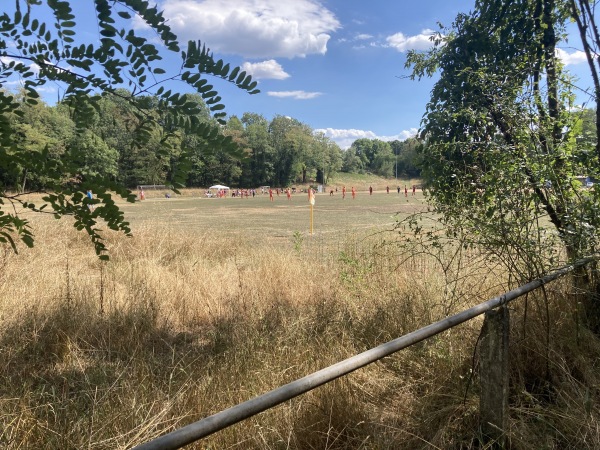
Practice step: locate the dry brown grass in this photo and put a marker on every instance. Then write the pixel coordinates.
(178, 326)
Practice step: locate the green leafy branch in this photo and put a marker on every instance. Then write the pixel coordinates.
(45, 52)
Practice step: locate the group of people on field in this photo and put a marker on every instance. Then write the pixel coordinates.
(414, 189)
(387, 189)
(246, 193)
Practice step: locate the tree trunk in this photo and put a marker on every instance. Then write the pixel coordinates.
(24, 181)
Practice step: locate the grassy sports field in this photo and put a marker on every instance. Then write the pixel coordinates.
(260, 220)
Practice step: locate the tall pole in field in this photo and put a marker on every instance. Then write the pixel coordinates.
(323, 170)
(311, 200)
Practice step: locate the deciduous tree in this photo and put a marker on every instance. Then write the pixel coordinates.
(501, 150)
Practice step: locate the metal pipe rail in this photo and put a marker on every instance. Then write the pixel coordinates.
(197, 430)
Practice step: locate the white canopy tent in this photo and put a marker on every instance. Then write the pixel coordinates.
(219, 187)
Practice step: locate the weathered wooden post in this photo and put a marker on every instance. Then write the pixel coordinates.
(493, 403)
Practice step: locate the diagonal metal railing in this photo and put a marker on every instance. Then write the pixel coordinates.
(209, 425)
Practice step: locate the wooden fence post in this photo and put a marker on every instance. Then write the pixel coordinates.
(493, 403)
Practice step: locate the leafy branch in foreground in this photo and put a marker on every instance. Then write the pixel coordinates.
(38, 53)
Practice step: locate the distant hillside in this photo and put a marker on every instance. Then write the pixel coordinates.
(363, 181)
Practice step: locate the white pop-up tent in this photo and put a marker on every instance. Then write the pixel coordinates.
(219, 187)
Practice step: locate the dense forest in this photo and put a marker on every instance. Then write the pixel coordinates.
(279, 152)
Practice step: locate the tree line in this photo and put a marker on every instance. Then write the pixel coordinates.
(279, 152)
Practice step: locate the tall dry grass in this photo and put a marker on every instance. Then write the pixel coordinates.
(177, 327)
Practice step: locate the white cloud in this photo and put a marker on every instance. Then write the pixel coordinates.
(345, 138)
(14, 83)
(8, 60)
(576, 57)
(18, 84)
(253, 28)
(32, 66)
(404, 43)
(357, 38)
(46, 89)
(403, 135)
(265, 69)
(297, 95)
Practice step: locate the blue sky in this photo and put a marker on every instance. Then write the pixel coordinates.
(336, 65)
